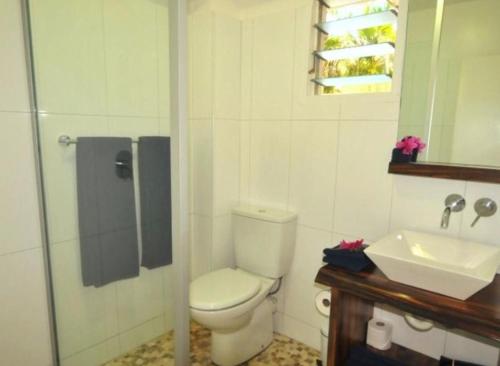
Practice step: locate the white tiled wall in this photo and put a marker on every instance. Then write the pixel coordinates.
(270, 161)
(312, 141)
(24, 324)
(215, 89)
(326, 158)
(272, 52)
(201, 90)
(102, 70)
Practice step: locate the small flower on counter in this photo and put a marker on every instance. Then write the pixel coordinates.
(351, 245)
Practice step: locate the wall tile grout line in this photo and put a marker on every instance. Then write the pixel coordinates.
(337, 154)
(8, 254)
(290, 121)
(117, 315)
(4, 111)
(157, 42)
(124, 116)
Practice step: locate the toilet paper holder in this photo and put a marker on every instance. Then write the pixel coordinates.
(323, 303)
(418, 323)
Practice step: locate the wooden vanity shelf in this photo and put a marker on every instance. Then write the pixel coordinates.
(354, 296)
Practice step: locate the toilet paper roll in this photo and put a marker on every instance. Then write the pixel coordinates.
(379, 334)
(323, 302)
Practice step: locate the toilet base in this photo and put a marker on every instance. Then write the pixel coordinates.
(234, 348)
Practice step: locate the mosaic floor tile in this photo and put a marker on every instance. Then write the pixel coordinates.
(283, 351)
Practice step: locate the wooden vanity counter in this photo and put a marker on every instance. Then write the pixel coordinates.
(354, 295)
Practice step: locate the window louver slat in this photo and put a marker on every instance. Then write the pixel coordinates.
(341, 26)
(363, 50)
(353, 80)
(379, 49)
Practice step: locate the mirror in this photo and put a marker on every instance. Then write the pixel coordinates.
(451, 82)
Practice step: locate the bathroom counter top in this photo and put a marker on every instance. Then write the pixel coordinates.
(355, 294)
(479, 314)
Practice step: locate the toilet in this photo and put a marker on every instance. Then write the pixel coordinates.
(235, 303)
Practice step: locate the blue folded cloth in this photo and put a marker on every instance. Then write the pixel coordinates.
(352, 260)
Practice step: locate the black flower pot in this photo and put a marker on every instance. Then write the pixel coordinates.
(414, 156)
(399, 157)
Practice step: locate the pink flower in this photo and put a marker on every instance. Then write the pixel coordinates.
(410, 143)
(351, 245)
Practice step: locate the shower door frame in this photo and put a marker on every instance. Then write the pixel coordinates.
(180, 183)
(179, 165)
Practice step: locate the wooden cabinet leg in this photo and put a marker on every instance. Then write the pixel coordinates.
(349, 316)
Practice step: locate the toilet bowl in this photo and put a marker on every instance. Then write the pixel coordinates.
(225, 299)
(234, 303)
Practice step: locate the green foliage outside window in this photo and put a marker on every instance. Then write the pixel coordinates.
(373, 65)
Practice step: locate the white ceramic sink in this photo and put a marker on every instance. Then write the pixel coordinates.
(448, 266)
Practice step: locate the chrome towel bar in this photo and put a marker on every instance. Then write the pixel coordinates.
(66, 140)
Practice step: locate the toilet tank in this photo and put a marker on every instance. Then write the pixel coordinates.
(264, 240)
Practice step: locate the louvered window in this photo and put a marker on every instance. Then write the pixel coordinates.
(356, 44)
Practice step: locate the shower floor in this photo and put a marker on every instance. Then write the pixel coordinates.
(283, 351)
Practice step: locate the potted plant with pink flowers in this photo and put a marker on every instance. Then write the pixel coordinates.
(407, 149)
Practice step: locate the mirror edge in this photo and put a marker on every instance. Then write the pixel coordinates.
(447, 171)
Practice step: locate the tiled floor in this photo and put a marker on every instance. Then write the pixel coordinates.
(159, 352)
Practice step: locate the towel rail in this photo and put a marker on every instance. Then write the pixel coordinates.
(66, 140)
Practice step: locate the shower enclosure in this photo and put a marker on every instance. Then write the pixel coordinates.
(110, 69)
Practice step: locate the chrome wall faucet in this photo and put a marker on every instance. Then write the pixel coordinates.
(484, 207)
(453, 203)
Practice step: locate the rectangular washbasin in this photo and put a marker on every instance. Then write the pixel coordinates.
(452, 267)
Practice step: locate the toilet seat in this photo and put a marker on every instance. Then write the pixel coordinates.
(222, 289)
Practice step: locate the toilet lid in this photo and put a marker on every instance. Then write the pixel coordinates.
(222, 289)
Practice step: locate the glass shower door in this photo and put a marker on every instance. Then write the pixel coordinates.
(101, 70)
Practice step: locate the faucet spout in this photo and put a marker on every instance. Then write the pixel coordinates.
(453, 203)
(445, 219)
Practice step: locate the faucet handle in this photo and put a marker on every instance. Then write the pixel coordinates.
(455, 202)
(484, 207)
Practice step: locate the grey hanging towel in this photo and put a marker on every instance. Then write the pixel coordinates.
(156, 211)
(106, 210)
